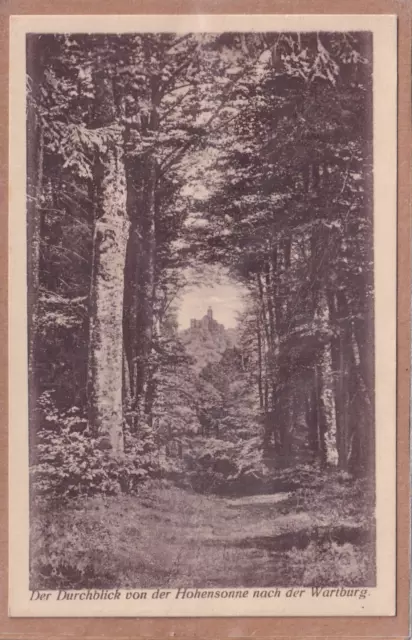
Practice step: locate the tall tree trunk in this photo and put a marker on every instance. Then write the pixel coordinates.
(260, 371)
(139, 314)
(363, 433)
(131, 308)
(312, 416)
(263, 308)
(269, 425)
(273, 347)
(147, 287)
(327, 407)
(277, 373)
(111, 228)
(340, 372)
(126, 380)
(342, 369)
(106, 296)
(363, 361)
(355, 367)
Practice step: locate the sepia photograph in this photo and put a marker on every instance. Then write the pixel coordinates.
(201, 313)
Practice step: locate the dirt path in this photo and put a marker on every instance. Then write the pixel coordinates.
(170, 537)
(209, 541)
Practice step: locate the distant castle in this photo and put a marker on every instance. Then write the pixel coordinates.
(207, 322)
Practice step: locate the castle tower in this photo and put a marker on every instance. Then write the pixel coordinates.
(210, 313)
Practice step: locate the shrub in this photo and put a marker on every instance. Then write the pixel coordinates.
(218, 466)
(69, 462)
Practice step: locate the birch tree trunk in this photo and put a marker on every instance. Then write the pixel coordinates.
(105, 372)
(327, 408)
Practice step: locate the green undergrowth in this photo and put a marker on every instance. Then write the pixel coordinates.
(170, 537)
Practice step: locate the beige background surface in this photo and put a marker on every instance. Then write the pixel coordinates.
(240, 627)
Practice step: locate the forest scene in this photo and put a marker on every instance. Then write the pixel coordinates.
(200, 284)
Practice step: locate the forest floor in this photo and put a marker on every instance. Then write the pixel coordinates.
(170, 537)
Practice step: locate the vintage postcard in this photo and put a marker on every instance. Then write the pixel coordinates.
(203, 315)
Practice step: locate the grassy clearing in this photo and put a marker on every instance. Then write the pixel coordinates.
(170, 537)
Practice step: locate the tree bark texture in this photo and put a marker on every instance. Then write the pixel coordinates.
(106, 295)
(327, 406)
